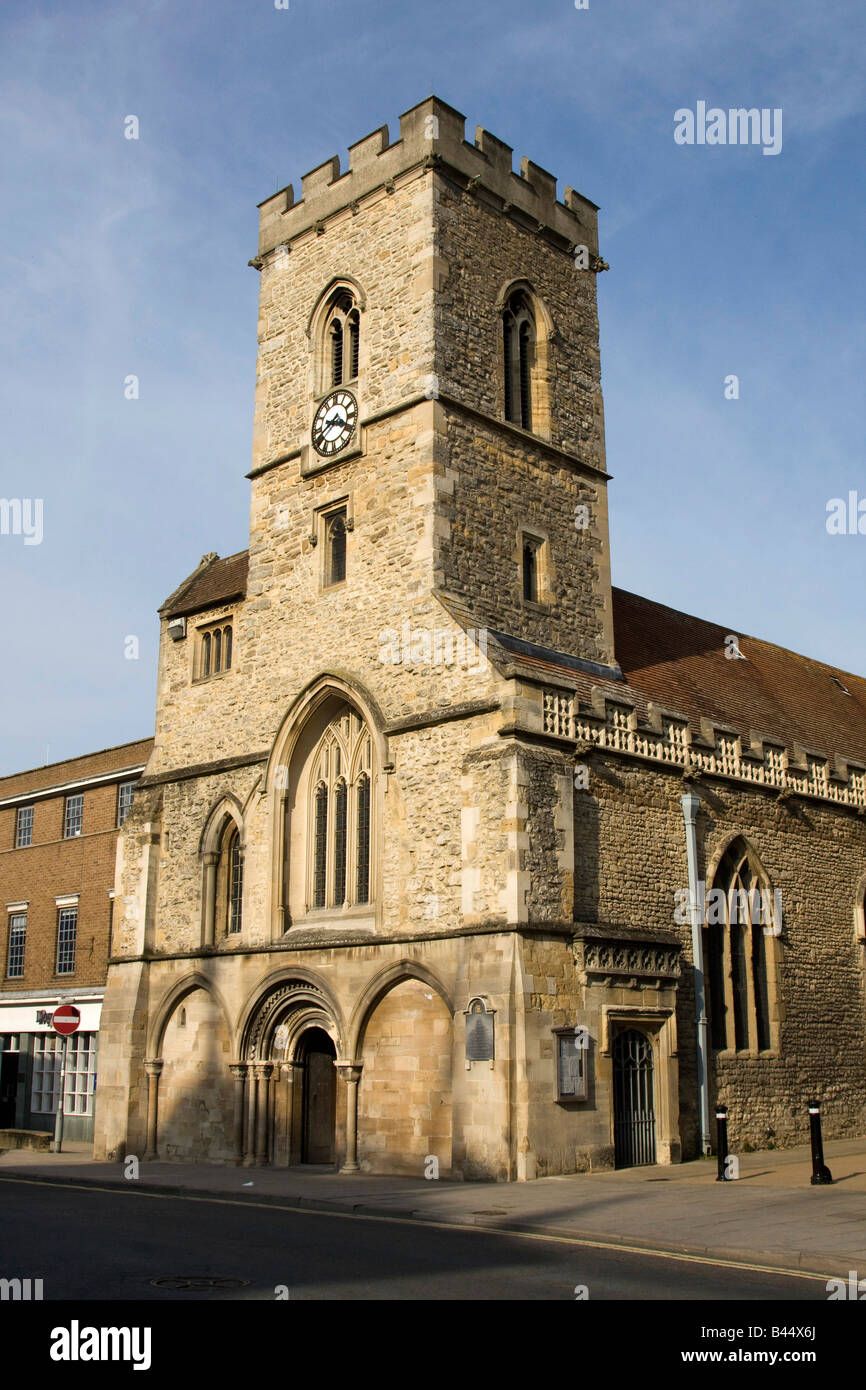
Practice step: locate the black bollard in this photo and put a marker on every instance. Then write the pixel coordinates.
(821, 1174)
(722, 1142)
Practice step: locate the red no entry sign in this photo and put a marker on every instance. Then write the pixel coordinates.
(66, 1019)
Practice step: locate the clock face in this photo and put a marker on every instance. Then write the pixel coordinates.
(335, 423)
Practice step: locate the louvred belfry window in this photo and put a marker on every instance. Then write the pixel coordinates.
(342, 341)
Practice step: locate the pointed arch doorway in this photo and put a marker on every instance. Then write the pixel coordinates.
(316, 1056)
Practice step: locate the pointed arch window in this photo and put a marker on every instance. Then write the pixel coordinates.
(518, 345)
(739, 933)
(339, 815)
(235, 856)
(342, 345)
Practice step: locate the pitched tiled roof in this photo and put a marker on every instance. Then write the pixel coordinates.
(215, 581)
(679, 662)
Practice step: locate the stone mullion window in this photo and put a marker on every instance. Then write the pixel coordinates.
(340, 817)
(341, 342)
(748, 960)
(214, 653)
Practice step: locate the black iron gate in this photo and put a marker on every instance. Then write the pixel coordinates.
(634, 1132)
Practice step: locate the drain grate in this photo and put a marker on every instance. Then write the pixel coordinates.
(198, 1283)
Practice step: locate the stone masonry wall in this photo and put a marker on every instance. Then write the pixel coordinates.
(630, 859)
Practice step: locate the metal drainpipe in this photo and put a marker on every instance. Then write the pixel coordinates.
(691, 805)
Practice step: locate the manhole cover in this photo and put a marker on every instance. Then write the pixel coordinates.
(197, 1283)
(494, 1211)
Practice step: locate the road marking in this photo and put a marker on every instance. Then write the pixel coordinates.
(584, 1241)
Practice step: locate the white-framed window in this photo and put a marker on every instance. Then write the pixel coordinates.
(125, 792)
(17, 938)
(24, 827)
(47, 1057)
(73, 816)
(10, 1042)
(80, 1074)
(67, 930)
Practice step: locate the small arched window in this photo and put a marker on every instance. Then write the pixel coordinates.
(342, 341)
(335, 547)
(205, 654)
(518, 342)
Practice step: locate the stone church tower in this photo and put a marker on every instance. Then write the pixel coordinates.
(349, 927)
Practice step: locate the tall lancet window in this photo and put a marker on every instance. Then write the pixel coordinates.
(518, 342)
(339, 817)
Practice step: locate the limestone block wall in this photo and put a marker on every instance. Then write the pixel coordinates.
(418, 1096)
(481, 251)
(501, 486)
(195, 1088)
(405, 1098)
(630, 860)
(386, 246)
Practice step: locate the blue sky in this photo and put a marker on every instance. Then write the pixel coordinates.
(127, 257)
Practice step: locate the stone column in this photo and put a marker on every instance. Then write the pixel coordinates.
(351, 1074)
(153, 1069)
(239, 1072)
(263, 1072)
(211, 860)
(292, 1070)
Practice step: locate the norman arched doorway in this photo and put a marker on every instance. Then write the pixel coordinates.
(315, 1060)
(634, 1136)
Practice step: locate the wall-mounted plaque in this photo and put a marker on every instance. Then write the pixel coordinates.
(479, 1032)
(572, 1053)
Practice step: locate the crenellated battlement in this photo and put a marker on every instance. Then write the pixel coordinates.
(432, 136)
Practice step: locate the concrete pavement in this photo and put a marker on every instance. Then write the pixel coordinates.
(770, 1216)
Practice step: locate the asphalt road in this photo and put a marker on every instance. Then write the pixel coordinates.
(102, 1244)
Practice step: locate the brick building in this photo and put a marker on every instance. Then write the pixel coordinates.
(448, 854)
(58, 841)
